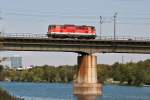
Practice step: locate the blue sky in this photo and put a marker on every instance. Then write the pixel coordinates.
(34, 16)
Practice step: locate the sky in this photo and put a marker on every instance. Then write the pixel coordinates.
(34, 16)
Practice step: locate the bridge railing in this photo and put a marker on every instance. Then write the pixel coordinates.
(31, 35)
(23, 35)
(129, 38)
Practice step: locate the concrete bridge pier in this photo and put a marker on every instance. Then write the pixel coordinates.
(86, 81)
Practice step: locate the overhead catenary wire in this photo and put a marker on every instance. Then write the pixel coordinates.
(79, 18)
(71, 16)
(64, 12)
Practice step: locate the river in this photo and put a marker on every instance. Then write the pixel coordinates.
(57, 91)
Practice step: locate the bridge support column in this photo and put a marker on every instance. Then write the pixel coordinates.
(86, 81)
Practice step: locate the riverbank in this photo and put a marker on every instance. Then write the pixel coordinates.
(132, 74)
(4, 95)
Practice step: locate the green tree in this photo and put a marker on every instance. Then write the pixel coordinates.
(1, 73)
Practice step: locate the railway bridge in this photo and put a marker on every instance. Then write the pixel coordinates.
(86, 81)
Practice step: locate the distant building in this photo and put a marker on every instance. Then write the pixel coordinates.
(16, 62)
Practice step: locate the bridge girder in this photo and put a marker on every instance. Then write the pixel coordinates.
(77, 46)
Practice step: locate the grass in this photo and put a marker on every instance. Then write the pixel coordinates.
(4, 95)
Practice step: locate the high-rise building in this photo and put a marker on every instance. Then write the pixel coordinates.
(16, 62)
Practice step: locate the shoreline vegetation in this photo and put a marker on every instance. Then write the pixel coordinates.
(129, 74)
(4, 95)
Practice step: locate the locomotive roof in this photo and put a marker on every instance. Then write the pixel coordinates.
(70, 25)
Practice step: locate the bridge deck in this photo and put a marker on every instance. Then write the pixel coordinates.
(104, 45)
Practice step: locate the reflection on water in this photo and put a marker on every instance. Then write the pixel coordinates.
(87, 97)
(56, 91)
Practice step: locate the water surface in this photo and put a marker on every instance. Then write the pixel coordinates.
(57, 91)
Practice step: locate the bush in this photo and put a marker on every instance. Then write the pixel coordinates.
(4, 95)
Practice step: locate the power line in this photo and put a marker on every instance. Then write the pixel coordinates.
(49, 13)
(68, 15)
(137, 18)
(115, 16)
(64, 12)
(85, 17)
(130, 23)
(89, 18)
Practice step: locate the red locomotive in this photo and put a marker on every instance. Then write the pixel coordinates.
(71, 31)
